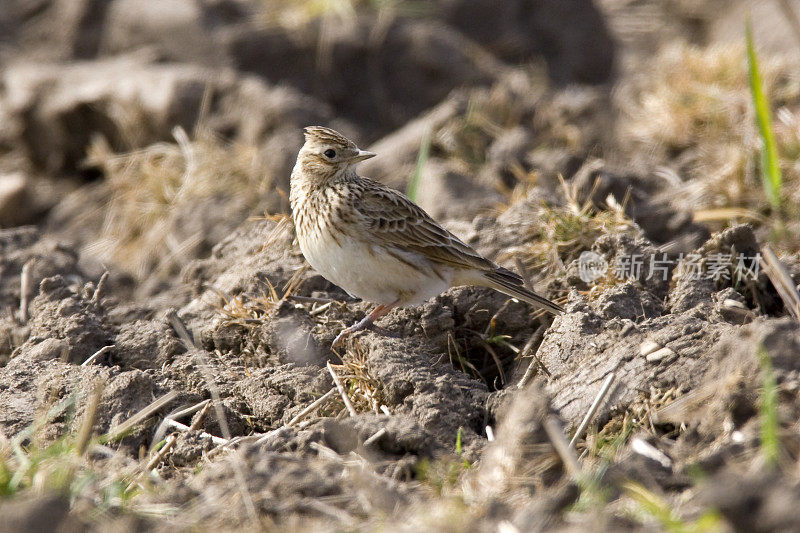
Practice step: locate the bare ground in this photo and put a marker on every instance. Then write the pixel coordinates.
(123, 230)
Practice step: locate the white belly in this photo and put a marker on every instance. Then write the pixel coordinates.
(371, 273)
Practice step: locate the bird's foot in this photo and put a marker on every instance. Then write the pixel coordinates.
(365, 323)
(368, 322)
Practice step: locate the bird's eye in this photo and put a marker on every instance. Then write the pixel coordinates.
(330, 153)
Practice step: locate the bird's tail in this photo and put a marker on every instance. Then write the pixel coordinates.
(511, 284)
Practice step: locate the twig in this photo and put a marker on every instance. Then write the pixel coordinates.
(139, 417)
(219, 441)
(325, 451)
(782, 281)
(309, 299)
(89, 418)
(172, 439)
(592, 410)
(342, 393)
(188, 339)
(556, 435)
(260, 439)
(263, 437)
(201, 125)
(321, 309)
(101, 285)
(161, 453)
(279, 230)
(493, 319)
(238, 468)
(189, 410)
(330, 510)
(199, 420)
(240, 439)
(162, 427)
(25, 282)
(316, 403)
(537, 335)
(102, 351)
(645, 449)
(497, 362)
(181, 330)
(377, 435)
(294, 281)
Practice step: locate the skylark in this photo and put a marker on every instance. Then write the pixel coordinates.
(374, 242)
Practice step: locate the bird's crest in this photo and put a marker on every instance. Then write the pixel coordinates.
(327, 136)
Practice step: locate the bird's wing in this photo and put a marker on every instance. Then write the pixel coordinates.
(396, 220)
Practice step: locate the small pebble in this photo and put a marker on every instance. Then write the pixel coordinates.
(646, 449)
(658, 355)
(734, 304)
(648, 347)
(629, 327)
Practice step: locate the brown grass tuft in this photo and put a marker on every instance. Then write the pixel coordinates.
(152, 189)
(694, 110)
(362, 388)
(567, 230)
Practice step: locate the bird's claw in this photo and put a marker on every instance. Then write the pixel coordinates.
(340, 338)
(360, 326)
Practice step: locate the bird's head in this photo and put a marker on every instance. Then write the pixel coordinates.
(327, 153)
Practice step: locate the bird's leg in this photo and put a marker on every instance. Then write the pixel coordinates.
(368, 322)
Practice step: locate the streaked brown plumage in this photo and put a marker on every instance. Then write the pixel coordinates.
(376, 243)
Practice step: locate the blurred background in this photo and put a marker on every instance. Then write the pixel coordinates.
(152, 140)
(142, 132)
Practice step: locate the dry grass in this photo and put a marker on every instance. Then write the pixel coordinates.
(601, 446)
(456, 352)
(692, 95)
(567, 230)
(693, 111)
(152, 189)
(294, 13)
(249, 311)
(98, 480)
(363, 390)
(466, 138)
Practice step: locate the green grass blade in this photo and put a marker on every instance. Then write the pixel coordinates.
(770, 443)
(652, 506)
(422, 159)
(770, 169)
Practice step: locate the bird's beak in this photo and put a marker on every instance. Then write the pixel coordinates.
(362, 155)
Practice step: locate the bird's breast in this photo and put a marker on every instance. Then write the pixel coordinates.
(347, 252)
(368, 269)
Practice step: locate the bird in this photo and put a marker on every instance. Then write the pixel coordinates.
(375, 242)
